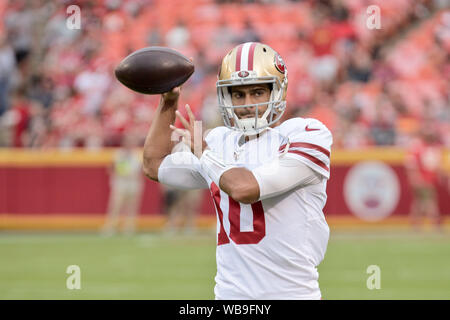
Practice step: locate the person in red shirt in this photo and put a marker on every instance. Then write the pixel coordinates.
(18, 119)
(424, 169)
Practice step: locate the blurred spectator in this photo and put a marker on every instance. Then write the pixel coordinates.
(154, 37)
(181, 208)
(93, 83)
(223, 37)
(248, 34)
(382, 129)
(360, 66)
(178, 36)
(19, 25)
(37, 127)
(425, 171)
(324, 65)
(41, 90)
(17, 118)
(7, 65)
(126, 184)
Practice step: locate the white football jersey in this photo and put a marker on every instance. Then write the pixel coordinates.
(271, 249)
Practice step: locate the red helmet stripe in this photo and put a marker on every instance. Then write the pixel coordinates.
(251, 53)
(238, 57)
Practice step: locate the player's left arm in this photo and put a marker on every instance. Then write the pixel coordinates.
(266, 181)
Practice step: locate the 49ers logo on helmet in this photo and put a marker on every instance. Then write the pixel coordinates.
(243, 74)
(279, 63)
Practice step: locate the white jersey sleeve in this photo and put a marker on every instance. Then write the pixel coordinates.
(181, 170)
(282, 175)
(309, 141)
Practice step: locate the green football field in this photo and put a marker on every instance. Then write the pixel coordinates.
(158, 266)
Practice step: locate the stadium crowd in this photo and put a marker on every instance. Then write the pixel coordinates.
(369, 86)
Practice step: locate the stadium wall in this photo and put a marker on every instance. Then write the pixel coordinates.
(369, 185)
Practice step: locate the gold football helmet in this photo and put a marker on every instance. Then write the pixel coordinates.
(246, 64)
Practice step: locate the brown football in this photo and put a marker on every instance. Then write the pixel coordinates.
(154, 70)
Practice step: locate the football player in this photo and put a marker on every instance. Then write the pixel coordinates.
(267, 179)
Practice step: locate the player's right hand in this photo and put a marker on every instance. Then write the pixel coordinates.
(171, 96)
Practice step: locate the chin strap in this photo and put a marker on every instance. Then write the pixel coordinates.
(248, 129)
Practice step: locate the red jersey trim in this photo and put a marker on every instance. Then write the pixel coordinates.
(310, 158)
(306, 145)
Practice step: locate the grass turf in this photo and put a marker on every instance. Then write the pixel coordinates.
(157, 266)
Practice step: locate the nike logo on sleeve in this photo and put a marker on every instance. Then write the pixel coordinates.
(307, 128)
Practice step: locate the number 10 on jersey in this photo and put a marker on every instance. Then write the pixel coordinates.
(234, 216)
